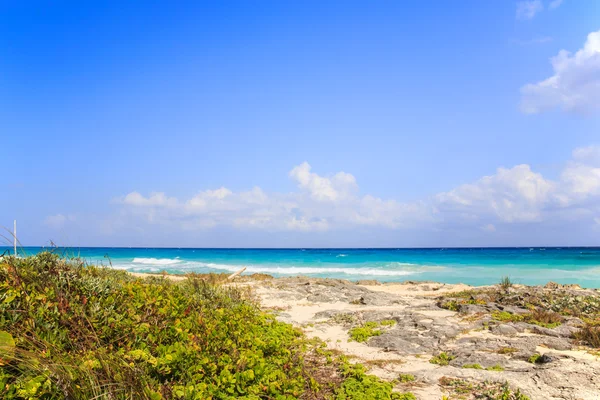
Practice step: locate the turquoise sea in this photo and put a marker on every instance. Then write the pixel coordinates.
(475, 266)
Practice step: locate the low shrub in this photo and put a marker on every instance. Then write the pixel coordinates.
(368, 330)
(505, 316)
(442, 359)
(406, 378)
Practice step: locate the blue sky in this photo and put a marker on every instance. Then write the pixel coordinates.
(229, 123)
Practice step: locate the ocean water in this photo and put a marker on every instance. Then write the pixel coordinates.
(475, 266)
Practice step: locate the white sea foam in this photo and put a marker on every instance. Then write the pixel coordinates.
(150, 264)
(156, 261)
(342, 255)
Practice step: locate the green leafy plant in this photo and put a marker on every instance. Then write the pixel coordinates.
(505, 316)
(442, 359)
(359, 386)
(534, 359)
(368, 330)
(406, 378)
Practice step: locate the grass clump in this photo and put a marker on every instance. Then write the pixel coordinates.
(496, 367)
(505, 283)
(507, 350)
(442, 359)
(464, 389)
(369, 329)
(547, 319)
(589, 334)
(343, 319)
(406, 378)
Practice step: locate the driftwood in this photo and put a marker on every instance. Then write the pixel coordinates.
(230, 277)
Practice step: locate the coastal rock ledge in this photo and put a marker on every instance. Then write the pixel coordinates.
(452, 340)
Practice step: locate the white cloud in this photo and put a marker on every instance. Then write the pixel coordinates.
(155, 199)
(322, 203)
(323, 189)
(517, 195)
(58, 221)
(575, 85)
(555, 4)
(528, 9)
(581, 177)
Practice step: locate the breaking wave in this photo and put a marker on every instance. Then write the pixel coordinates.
(156, 261)
(182, 266)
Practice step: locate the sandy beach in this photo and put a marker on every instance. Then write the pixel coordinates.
(483, 346)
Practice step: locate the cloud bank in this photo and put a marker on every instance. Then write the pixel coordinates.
(574, 86)
(516, 195)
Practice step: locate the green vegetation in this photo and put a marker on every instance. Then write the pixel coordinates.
(589, 334)
(537, 317)
(496, 367)
(406, 378)
(547, 319)
(465, 389)
(365, 332)
(359, 386)
(472, 366)
(507, 350)
(442, 359)
(73, 331)
(505, 283)
(534, 358)
(368, 330)
(505, 316)
(456, 305)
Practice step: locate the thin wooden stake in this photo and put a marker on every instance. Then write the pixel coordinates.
(15, 237)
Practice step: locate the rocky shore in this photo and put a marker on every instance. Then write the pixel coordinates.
(451, 341)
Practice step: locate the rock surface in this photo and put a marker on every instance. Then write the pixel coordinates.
(473, 336)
